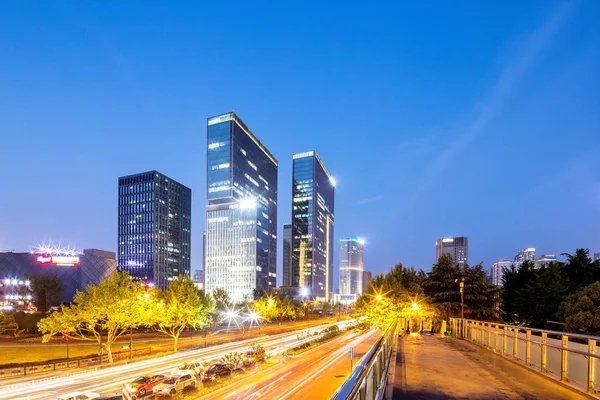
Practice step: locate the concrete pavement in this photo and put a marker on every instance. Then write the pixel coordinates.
(435, 368)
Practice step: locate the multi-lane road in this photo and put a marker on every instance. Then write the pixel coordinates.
(110, 380)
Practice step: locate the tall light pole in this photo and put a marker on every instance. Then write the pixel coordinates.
(462, 296)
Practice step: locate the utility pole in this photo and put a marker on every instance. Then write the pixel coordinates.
(130, 343)
(462, 298)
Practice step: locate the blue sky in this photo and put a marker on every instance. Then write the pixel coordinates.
(479, 119)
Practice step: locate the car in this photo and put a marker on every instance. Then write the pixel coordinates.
(145, 383)
(175, 384)
(78, 396)
(110, 397)
(196, 367)
(216, 372)
(253, 356)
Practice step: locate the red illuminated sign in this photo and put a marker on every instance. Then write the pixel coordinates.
(57, 260)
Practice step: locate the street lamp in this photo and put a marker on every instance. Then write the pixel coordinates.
(462, 296)
(414, 306)
(379, 297)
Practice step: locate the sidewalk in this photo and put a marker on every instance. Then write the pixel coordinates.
(435, 368)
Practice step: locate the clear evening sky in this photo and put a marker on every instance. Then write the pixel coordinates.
(456, 118)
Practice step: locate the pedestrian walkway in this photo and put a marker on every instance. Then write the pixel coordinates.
(435, 368)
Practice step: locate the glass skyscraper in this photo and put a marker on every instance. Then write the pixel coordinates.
(351, 266)
(287, 255)
(456, 247)
(241, 216)
(155, 214)
(312, 226)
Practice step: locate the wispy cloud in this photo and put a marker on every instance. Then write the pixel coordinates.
(368, 200)
(530, 49)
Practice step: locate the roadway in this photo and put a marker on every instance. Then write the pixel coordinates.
(110, 380)
(315, 374)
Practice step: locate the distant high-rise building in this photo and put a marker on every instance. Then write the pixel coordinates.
(457, 247)
(241, 216)
(203, 256)
(596, 256)
(155, 214)
(312, 226)
(498, 268)
(351, 266)
(367, 276)
(527, 254)
(287, 255)
(545, 259)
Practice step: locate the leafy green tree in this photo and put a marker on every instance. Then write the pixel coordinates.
(181, 306)
(46, 291)
(514, 280)
(579, 270)
(542, 295)
(222, 302)
(107, 310)
(443, 289)
(581, 310)
(8, 324)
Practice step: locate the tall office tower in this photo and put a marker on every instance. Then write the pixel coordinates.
(203, 256)
(287, 255)
(155, 214)
(241, 216)
(498, 269)
(525, 254)
(351, 266)
(367, 276)
(457, 247)
(545, 259)
(596, 256)
(312, 226)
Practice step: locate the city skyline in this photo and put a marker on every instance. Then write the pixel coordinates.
(525, 85)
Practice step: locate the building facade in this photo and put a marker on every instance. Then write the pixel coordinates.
(241, 215)
(351, 266)
(596, 256)
(313, 191)
(367, 276)
(287, 255)
(498, 270)
(457, 247)
(154, 239)
(545, 259)
(75, 270)
(527, 254)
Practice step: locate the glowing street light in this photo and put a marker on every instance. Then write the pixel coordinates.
(379, 297)
(414, 306)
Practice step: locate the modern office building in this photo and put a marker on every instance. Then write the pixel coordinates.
(351, 266)
(367, 276)
(241, 216)
(287, 255)
(457, 247)
(76, 270)
(154, 228)
(498, 269)
(312, 226)
(596, 256)
(527, 254)
(545, 259)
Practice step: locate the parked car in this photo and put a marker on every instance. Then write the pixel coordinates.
(194, 367)
(78, 396)
(145, 383)
(175, 384)
(216, 372)
(110, 397)
(254, 355)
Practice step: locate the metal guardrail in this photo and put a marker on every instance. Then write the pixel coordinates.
(369, 378)
(577, 361)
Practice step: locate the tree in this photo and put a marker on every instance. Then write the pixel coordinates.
(223, 303)
(579, 270)
(443, 289)
(181, 306)
(110, 308)
(8, 324)
(582, 310)
(46, 291)
(514, 281)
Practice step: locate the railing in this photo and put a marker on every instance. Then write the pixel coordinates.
(573, 360)
(369, 378)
